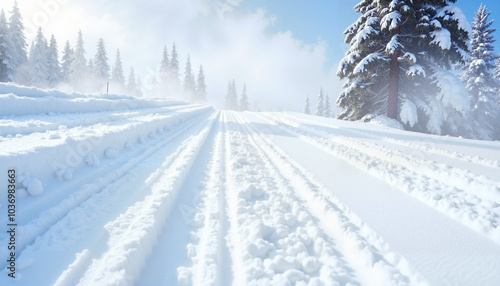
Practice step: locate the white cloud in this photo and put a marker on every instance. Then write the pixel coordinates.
(279, 69)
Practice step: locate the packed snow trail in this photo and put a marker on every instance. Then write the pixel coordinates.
(364, 252)
(76, 218)
(156, 192)
(462, 194)
(201, 190)
(134, 234)
(440, 249)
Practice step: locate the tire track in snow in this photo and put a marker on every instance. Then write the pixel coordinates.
(134, 233)
(447, 173)
(486, 189)
(42, 226)
(85, 145)
(207, 249)
(63, 134)
(429, 146)
(428, 182)
(196, 223)
(360, 246)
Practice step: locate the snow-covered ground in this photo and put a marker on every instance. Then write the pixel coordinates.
(113, 190)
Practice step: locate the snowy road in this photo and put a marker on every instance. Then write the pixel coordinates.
(170, 194)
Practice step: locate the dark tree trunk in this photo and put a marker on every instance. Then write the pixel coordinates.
(392, 100)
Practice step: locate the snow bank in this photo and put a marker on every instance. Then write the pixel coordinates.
(48, 132)
(133, 234)
(24, 91)
(15, 105)
(459, 193)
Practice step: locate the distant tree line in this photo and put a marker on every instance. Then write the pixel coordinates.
(323, 107)
(43, 68)
(231, 100)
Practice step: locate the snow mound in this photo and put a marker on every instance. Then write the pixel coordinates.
(64, 174)
(383, 120)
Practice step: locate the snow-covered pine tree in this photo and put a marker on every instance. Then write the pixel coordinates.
(320, 106)
(54, 70)
(189, 84)
(201, 86)
(101, 66)
(307, 107)
(231, 96)
(79, 65)
(117, 76)
(327, 108)
(38, 62)
(244, 105)
(398, 64)
(18, 45)
(66, 62)
(164, 66)
(6, 70)
(479, 78)
(174, 69)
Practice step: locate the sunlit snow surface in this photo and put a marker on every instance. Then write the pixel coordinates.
(113, 190)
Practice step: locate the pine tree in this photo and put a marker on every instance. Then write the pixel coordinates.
(101, 66)
(54, 70)
(244, 105)
(39, 62)
(18, 46)
(326, 109)
(66, 63)
(398, 64)
(201, 87)
(117, 76)
(174, 68)
(189, 84)
(320, 106)
(307, 108)
(479, 78)
(164, 66)
(6, 69)
(231, 96)
(79, 71)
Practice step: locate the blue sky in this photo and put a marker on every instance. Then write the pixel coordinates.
(284, 50)
(326, 20)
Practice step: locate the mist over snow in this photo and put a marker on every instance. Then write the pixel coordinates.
(120, 190)
(118, 172)
(278, 69)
